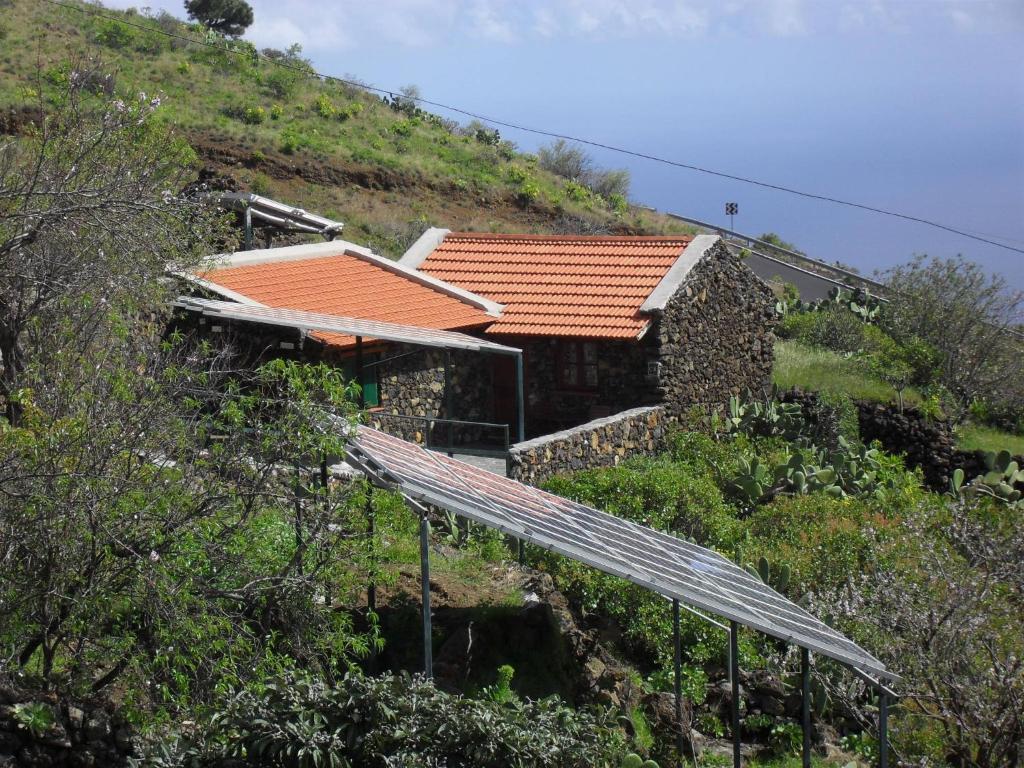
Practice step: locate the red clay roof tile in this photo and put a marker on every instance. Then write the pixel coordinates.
(348, 286)
(558, 285)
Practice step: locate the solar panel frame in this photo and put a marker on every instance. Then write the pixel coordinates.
(658, 561)
(350, 326)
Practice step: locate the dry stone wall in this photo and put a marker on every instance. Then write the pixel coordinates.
(601, 443)
(68, 733)
(715, 336)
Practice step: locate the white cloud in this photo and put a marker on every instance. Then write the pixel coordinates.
(786, 18)
(321, 26)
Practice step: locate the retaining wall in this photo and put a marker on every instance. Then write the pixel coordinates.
(601, 443)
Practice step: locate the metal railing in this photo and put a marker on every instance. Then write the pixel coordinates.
(800, 257)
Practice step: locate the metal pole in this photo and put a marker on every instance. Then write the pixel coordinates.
(449, 396)
(248, 228)
(520, 407)
(371, 587)
(734, 671)
(359, 372)
(805, 703)
(677, 642)
(883, 729)
(428, 651)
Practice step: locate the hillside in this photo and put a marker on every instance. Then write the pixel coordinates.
(262, 122)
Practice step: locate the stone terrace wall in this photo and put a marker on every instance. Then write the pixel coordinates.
(714, 338)
(601, 443)
(82, 734)
(927, 443)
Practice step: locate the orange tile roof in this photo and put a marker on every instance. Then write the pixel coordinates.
(348, 286)
(555, 285)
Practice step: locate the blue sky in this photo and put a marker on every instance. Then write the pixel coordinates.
(913, 105)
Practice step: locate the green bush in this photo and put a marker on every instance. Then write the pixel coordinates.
(324, 106)
(254, 115)
(392, 720)
(114, 34)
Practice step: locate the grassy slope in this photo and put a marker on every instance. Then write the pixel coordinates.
(797, 365)
(332, 149)
(973, 437)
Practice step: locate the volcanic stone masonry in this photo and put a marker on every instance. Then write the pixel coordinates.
(715, 336)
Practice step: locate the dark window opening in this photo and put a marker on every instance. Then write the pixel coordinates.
(578, 364)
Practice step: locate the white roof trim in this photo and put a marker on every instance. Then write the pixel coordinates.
(678, 272)
(351, 326)
(220, 290)
(345, 248)
(423, 247)
(286, 253)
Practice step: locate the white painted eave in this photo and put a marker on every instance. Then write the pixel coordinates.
(338, 248)
(678, 272)
(423, 247)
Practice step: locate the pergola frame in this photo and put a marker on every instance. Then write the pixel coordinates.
(367, 452)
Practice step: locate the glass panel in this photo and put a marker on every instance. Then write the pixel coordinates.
(572, 375)
(589, 352)
(590, 374)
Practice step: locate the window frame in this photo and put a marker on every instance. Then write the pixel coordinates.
(577, 359)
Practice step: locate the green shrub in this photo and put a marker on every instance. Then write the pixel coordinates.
(618, 203)
(276, 112)
(403, 127)
(280, 82)
(254, 115)
(577, 192)
(528, 193)
(796, 325)
(324, 106)
(114, 34)
(392, 720)
(353, 109)
(516, 174)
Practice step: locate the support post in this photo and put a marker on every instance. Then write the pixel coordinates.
(805, 704)
(520, 406)
(371, 587)
(883, 729)
(248, 227)
(359, 372)
(449, 399)
(428, 651)
(734, 671)
(678, 655)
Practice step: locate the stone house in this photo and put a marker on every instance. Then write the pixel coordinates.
(606, 324)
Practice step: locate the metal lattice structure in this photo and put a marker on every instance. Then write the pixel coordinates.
(349, 326)
(691, 576)
(675, 568)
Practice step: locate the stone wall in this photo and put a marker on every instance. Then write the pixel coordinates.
(714, 338)
(75, 733)
(413, 384)
(927, 443)
(620, 383)
(601, 443)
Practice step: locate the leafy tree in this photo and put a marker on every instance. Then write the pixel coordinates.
(971, 320)
(163, 518)
(229, 17)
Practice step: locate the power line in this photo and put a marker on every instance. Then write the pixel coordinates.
(308, 72)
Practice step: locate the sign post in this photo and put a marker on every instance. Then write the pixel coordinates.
(731, 209)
